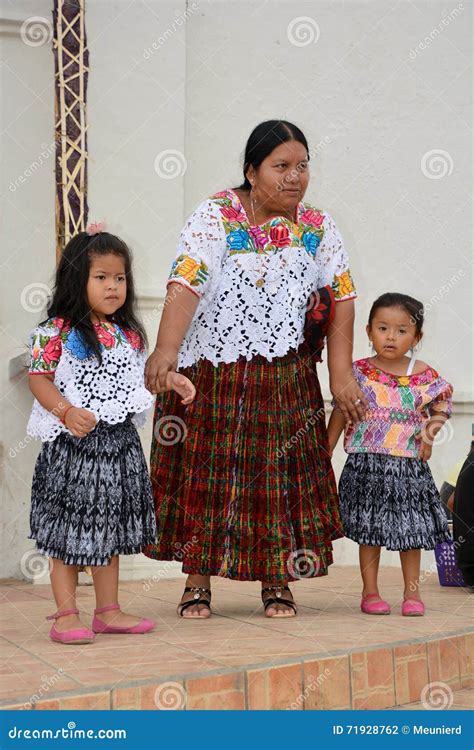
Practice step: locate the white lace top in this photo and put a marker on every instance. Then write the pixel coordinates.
(110, 390)
(254, 281)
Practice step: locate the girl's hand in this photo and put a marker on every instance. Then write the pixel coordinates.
(349, 397)
(428, 434)
(79, 421)
(426, 449)
(182, 385)
(158, 365)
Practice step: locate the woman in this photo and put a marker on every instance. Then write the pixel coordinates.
(247, 491)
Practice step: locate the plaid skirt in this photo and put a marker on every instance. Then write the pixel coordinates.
(242, 480)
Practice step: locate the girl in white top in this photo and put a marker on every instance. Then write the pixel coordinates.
(91, 492)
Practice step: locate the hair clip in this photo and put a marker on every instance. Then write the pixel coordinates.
(95, 228)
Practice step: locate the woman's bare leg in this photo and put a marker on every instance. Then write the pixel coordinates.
(196, 610)
(276, 610)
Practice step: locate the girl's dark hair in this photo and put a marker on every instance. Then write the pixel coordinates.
(69, 298)
(263, 139)
(412, 306)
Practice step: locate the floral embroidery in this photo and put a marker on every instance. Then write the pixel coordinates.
(110, 389)
(312, 217)
(105, 336)
(77, 346)
(133, 339)
(254, 306)
(273, 235)
(46, 349)
(343, 285)
(189, 269)
(374, 373)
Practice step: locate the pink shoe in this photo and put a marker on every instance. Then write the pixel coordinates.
(379, 607)
(413, 608)
(70, 637)
(98, 626)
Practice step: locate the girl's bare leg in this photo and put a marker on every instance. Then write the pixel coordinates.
(411, 560)
(106, 579)
(64, 583)
(369, 559)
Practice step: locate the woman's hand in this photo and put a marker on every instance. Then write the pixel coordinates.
(79, 421)
(159, 364)
(349, 397)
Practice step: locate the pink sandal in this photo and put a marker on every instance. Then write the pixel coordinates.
(413, 608)
(98, 626)
(70, 637)
(379, 607)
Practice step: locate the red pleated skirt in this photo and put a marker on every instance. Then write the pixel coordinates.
(242, 480)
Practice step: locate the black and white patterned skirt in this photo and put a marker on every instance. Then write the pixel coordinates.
(392, 502)
(92, 497)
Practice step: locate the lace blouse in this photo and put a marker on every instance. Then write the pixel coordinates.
(110, 390)
(398, 408)
(254, 282)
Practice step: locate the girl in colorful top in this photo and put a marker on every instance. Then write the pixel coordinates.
(91, 492)
(247, 490)
(388, 497)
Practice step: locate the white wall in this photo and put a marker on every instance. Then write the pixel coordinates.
(381, 86)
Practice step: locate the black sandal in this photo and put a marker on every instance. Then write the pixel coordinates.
(278, 599)
(197, 599)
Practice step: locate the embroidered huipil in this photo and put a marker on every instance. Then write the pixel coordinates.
(110, 390)
(398, 408)
(254, 281)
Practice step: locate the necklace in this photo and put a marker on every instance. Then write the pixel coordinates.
(261, 279)
(260, 282)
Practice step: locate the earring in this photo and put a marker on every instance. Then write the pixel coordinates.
(372, 350)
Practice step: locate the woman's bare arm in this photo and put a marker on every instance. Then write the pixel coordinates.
(335, 427)
(179, 308)
(343, 385)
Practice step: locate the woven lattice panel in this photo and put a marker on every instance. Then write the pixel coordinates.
(71, 62)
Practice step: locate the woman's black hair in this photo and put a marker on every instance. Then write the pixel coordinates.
(263, 139)
(412, 306)
(69, 298)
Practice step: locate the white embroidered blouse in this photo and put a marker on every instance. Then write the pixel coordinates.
(254, 281)
(110, 390)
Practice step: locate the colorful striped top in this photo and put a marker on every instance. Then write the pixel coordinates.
(398, 408)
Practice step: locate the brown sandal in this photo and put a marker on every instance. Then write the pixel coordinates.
(277, 598)
(198, 592)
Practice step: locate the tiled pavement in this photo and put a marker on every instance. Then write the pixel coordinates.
(329, 656)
